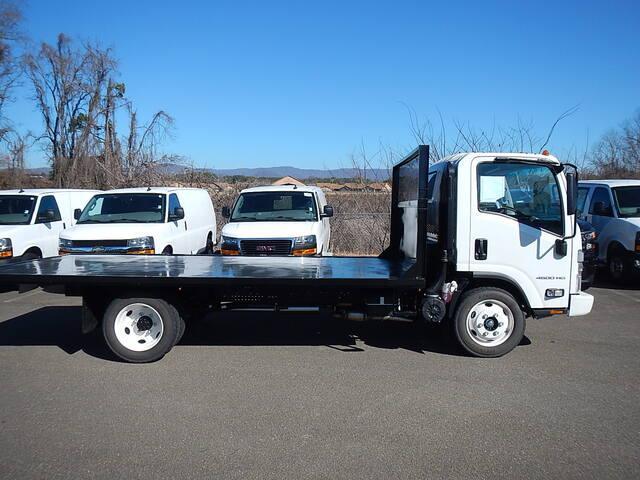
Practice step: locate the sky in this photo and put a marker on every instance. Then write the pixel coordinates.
(308, 84)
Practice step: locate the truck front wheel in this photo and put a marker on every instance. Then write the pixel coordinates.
(489, 322)
(141, 330)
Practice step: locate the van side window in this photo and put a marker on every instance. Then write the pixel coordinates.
(48, 203)
(524, 192)
(174, 203)
(601, 203)
(582, 198)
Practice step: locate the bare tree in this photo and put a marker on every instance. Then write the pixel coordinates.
(10, 17)
(617, 153)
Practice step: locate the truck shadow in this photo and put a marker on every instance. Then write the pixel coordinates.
(60, 326)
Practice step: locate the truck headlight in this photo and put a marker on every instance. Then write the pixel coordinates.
(306, 245)
(229, 246)
(6, 248)
(141, 245)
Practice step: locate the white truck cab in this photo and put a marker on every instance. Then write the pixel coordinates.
(515, 230)
(154, 220)
(278, 220)
(31, 220)
(613, 208)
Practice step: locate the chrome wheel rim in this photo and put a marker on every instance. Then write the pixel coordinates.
(490, 323)
(138, 327)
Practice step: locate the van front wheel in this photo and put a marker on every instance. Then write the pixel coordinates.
(141, 330)
(489, 322)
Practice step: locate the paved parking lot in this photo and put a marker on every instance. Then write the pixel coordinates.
(252, 396)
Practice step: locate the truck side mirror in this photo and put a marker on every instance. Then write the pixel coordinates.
(327, 211)
(599, 208)
(572, 193)
(77, 213)
(47, 216)
(177, 214)
(226, 212)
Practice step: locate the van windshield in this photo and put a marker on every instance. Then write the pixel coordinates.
(124, 208)
(16, 209)
(275, 206)
(628, 201)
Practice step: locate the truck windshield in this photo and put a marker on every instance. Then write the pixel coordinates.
(526, 192)
(124, 208)
(16, 209)
(275, 206)
(627, 201)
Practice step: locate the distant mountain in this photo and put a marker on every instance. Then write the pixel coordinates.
(376, 174)
(303, 173)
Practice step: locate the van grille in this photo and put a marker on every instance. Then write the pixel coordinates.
(265, 247)
(99, 243)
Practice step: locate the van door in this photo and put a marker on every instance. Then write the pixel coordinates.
(48, 225)
(178, 227)
(516, 219)
(602, 217)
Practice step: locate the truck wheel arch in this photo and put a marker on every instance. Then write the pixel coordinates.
(495, 282)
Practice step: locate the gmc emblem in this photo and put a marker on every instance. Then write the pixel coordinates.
(265, 248)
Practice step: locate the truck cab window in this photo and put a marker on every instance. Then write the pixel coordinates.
(601, 203)
(48, 203)
(582, 198)
(525, 192)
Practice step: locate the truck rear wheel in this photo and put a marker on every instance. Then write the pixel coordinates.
(489, 322)
(141, 330)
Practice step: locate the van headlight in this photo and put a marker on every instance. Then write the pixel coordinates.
(141, 245)
(6, 248)
(229, 245)
(65, 243)
(306, 245)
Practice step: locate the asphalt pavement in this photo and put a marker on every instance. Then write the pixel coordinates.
(255, 396)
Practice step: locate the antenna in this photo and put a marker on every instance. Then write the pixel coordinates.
(21, 190)
(148, 189)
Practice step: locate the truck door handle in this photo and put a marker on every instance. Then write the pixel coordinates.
(481, 249)
(185, 225)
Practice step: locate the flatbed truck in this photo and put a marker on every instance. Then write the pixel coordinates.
(479, 241)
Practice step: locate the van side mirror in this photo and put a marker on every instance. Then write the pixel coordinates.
(177, 214)
(327, 211)
(47, 216)
(77, 213)
(226, 212)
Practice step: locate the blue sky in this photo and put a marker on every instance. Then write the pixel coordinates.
(306, 83)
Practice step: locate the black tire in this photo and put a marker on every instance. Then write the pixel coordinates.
(617, 266)
(477, 296)
(181, 328)
(208, 249)
(167, 251)
(171, 329)
(31, 256)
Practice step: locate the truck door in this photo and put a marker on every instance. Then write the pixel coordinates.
(517, 216)
(600, 214)
(49, 224)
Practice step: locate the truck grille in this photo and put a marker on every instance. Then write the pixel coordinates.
(99, 243)
(265, 247)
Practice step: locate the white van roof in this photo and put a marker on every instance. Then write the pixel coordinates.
(162, 190)
(46, 191)
(612, 183)
(283, 188)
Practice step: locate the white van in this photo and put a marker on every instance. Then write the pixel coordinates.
(160, 220)
(278, 220)
(31, 220)
(613, 208)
